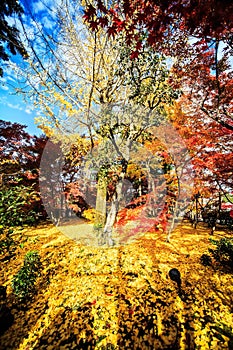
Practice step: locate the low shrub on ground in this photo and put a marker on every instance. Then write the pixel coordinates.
(7, 243)
(23, 283)
(17, 205)
(222, 253)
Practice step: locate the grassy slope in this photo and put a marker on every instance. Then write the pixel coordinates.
(120, 298)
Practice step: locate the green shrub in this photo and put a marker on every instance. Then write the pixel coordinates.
(16, 205)
(23, 283)
(223, 253)
(7, 243)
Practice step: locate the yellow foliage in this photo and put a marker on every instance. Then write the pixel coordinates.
(43, 125)
(9, 161)
(120, 296)
(89, 214)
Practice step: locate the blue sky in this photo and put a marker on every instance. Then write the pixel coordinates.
(12, 107)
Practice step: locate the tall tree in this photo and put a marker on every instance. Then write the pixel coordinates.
(210, 147)
(20, 151)
(10, 42)
(19, 174)
(211, 90)
(101, 94)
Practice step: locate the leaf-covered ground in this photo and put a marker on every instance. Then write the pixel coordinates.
(120, 297)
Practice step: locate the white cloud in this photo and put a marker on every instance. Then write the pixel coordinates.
(4, 87)
(3, 100)
(28, 110)
(3, 84)
(48, 23)
(17, 106)
(11, 78)
(38, 6)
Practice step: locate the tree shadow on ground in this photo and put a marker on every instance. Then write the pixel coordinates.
(201, 284)
(70, 328)
(148, 320)
(149, 312)
(23, 320)
(153, 319)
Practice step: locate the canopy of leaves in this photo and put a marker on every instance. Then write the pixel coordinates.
(158, 19)
(20, 157)
(111, 86)
(19, 150)
(210, 147)
(10, 42)
(197, 35)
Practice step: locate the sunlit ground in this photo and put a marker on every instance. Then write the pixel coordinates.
(121, 297)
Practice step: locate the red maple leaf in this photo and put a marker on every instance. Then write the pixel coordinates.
(111, 31)
(103, 21)
(134, 54)
(94, 25)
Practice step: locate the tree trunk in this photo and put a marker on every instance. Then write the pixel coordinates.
(196, 215)
(140, 187)
(106, 236)
(177, 214)
(100, 209)
(151, 192)
(173, 222)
